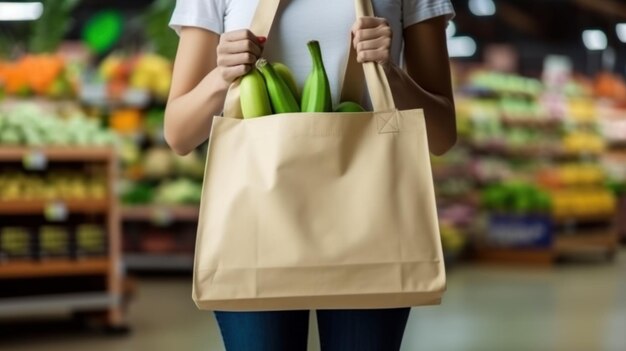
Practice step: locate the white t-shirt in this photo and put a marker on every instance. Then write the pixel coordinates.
(328, 21)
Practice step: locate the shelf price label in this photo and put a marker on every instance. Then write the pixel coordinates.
(35, 161)
(56, 212)
(162, 217)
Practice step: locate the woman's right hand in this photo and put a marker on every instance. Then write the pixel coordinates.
(237, 52)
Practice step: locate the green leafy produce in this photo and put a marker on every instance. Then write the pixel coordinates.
(177, 192)
(157, 18)
(27, 124)
(138, 194)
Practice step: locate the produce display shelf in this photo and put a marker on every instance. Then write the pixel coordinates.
(159, 262)
(14, 307)
(30, 269)
(536, 122)
(515, 256)
(605, 218)
(592, 241)
(532, 152)
(67, 154)
(153, 213)
(25, 207)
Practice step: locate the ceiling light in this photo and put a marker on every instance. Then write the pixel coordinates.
(461, 47)
(595, 39)
(20, 11)
(451, 29)
(621, 32)
(482, 7)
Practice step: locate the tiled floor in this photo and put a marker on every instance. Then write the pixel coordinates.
(572, 307)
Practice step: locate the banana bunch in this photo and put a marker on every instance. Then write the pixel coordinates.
(271, 88)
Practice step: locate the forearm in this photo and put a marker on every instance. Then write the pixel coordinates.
(188, 117)
(440, 117)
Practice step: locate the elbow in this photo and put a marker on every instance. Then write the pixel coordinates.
(174, 140)
(443, 146)
(176, 144)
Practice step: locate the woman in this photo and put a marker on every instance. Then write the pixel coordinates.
(216, 48)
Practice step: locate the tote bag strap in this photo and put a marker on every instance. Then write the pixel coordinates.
(374, 73)
(261, 25)
(377, 83)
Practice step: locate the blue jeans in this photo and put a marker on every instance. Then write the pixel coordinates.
(339, 330)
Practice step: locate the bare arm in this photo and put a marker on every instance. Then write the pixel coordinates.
(427, 62)
(206, 64)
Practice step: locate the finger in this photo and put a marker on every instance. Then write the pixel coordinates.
(229, 74)
(244, 58)
(374, 44)
(240, 46)
(241, 34)
(372, 33)
(380, 56)
(368, 22)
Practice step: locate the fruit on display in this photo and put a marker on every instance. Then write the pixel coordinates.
(147, 72)
(54, 241)
(254, 98)
(316, 94)
(54, 185)
(582, 203)
(126, 121)
(42, 74)
(158, 162)
(153, 73)
(349, 106)
(90, 240)
(582, 110)
(15, 242)
(27, 124)
(281, 97)
(570, 175)
(580, 141)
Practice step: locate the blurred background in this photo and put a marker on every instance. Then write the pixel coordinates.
(98, 217)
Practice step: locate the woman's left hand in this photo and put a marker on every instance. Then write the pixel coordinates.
(372, 39)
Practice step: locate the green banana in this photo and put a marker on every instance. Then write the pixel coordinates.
(316, 96)
(286, 74)
(254, 98)
(281, 97)
(349, 106)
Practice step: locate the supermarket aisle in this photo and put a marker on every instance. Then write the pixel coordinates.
(575, 307)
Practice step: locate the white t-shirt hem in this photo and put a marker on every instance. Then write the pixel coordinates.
(422, 15)
(178, 21)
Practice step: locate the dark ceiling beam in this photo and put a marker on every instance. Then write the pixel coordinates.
(605, 7)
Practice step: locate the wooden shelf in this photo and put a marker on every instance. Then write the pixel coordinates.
(532, 257)
(536, 122)
(54, 153)
(585, 219)
(159, 262)
(156, 213)
(589, 241)
(531, 152)
(39, 207)
(54, 268)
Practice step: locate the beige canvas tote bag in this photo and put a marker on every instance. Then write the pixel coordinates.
(319, 210)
